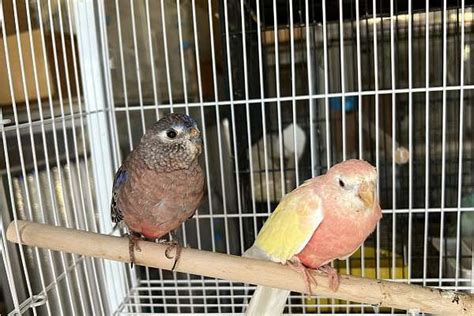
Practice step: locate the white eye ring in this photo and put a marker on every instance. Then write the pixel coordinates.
(341, 183)
(171, 133)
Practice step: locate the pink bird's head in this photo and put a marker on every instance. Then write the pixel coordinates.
(355, 179)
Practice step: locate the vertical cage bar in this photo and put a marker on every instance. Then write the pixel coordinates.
(127, 114)
(170, 102)
(377, 128)
(219, 137)
(410, 142)
(155, 98)
(124, 76)
(185, 94)
(326, 87)
(277, 82)
(106, 66)
(249, 133)
(167, 62)
(204, 134)
(326, 99)
(138, 73)
(343, 86)
(293, 90)
(263, 107)
(137, 64)
(427, 140)
(309, 61)
(360, 120)
(293, 101)
(443, 145)
(234, 135)
(152, 60)
(460, 153)
(343, 99)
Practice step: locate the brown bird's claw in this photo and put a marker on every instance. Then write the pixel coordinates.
(332, 275)
(308, 276)
(132, 245)
(173, 244)
(177, 246)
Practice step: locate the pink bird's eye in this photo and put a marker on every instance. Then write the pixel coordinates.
(341, 183)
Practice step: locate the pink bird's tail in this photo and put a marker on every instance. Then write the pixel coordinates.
(265, 300)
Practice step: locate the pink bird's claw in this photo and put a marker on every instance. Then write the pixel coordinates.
(308, 276)
(332, 275)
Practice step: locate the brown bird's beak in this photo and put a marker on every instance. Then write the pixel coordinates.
(194, 132)
(367, 193)
(196, 138)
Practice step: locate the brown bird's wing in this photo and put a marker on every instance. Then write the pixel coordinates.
(120, 178)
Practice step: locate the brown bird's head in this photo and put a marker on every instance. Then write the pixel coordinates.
(355, 179)
(172, 143)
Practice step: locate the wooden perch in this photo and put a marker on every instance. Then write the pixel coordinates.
(216, 265)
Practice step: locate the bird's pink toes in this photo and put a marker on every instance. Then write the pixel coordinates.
(332, 275)
(307, 275)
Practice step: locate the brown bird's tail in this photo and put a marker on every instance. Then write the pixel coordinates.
(265, 300)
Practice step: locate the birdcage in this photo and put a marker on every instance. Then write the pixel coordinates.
(281, 91)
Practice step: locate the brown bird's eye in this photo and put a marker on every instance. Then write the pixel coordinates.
(171, 133)
(341, 183)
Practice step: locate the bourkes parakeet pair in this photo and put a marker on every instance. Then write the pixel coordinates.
(161, 184)
(326, 218)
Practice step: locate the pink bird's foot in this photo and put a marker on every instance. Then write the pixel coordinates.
(308, 276)
(332, 275)
(133, 239)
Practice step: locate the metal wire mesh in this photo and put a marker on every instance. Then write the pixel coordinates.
(280, 89)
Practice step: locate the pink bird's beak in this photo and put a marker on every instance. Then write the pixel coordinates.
(367, 193)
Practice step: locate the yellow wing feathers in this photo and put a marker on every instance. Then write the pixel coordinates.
(291, 225)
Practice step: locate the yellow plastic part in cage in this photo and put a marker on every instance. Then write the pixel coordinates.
(401, 272)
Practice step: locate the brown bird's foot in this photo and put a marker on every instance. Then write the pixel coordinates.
(332, 275)
(308, 276)
(133, 239)
(173, 244)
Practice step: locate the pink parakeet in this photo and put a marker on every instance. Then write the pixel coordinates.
(326, 218)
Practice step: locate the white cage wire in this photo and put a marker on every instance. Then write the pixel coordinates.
(281, 91)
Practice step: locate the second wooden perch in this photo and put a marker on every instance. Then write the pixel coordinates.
(216, 265)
